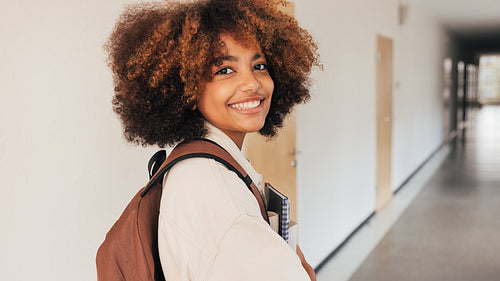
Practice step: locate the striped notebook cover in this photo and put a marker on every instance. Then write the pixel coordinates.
(280, 204)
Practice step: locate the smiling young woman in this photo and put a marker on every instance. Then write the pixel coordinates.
(214, 69)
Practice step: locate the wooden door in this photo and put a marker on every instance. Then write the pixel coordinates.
(384, 120)
(275, 159)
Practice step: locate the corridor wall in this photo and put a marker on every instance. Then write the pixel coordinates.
(420, 49)
(336, 131)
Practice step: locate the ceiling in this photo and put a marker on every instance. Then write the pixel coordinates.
(474, 22)
(465, 16)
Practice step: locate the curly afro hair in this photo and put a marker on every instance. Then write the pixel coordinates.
(161, 55)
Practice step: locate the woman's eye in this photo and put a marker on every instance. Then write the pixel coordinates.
(260, 66)
(225, 70)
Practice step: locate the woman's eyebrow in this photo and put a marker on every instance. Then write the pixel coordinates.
(257, 56)
(227, 58)
(233, 58)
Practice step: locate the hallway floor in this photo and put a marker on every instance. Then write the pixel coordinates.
(450, 230)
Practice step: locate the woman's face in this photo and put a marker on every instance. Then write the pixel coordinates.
(238, 97)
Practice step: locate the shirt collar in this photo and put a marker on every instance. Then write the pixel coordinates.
(216, 135)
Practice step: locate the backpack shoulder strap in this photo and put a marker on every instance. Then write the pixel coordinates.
(206, 149)
(155, 162)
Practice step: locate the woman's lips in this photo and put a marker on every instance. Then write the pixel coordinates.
(247, 105)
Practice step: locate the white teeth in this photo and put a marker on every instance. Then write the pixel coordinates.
(246, 105)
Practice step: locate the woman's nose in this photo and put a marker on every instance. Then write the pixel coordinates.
(249, 82)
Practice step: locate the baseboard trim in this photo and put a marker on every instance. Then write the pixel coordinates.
(337, 249)
(420, 167)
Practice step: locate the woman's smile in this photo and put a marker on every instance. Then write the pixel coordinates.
(248, 106)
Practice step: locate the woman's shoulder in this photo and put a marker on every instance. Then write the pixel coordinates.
(203, 187)
(198, 179)
(199, 176)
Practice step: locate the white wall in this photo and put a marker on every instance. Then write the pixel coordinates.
(417, 103)
(67, 173)
(336, 131)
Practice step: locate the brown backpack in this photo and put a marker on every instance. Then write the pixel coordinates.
(130, 250)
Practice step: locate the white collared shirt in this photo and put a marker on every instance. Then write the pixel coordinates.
(210, 226)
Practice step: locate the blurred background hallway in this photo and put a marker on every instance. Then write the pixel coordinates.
(450, 230)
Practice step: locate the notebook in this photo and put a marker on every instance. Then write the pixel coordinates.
(280, 204)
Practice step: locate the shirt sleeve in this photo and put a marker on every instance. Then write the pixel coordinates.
(195, 213)
(210, 229)
(251, 251)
